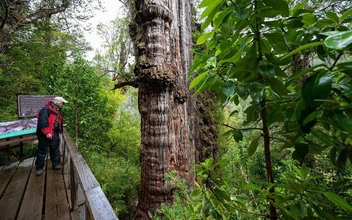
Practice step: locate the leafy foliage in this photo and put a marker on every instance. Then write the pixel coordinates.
(118, 60)
(119, 179)
(260, 51)
(45, 61)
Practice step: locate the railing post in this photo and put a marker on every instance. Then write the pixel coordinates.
(74, 187)
(8, 153)
(21, 150)
(87, 198)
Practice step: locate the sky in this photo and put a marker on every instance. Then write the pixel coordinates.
(111, 12)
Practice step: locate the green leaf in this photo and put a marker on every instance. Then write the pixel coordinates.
(311, 117)
(274, 112)
(228, 88)
(235, 99)
(346, 88)
(211, 63)
(251, 186)
(342, 159)
(327, 139)
(332, 16)
(197, 80)
(306, 46)
(346, 68)
(338, 120)
(277, 86)
(304, 171)
(296, 113)
(309, 19)
(316, 87)
(339, 41)
(221, 194)
(205, 3)
(345, 14)
(277, 41)
(350, 156)
(203, 38)
(266, 70)
(301, 150)
(337, 200)
(332, 155)
(322, 23)
(233, 59)
(302, 73)
(280, 5)
(316, 148)
(220, 17)
(237, 135)
(252, 113)
(298, 9)
(293, 187)
(241, 12)
(253, 146)
(273, 8)
(256, 92)
(210, 13)
(330, 33)
(242, 92)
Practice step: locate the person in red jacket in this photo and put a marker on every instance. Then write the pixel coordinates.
(50, 125)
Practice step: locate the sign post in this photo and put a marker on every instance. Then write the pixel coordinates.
(30, 105)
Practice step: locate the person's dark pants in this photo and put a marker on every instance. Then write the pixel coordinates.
(53, 144)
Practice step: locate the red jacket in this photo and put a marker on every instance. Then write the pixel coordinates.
(47, 117)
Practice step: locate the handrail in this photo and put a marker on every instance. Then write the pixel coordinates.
(87, 198)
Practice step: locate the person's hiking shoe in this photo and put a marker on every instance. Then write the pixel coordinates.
(39, 172)
(57, 167)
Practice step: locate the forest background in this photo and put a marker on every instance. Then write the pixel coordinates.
(280, 71)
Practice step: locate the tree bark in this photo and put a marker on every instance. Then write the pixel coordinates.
(163, 42)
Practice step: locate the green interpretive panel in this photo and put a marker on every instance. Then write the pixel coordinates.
(18, 128)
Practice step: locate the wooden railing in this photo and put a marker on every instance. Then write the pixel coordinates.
(86, 198)
(20, 141)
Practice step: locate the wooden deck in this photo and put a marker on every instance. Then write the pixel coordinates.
(70, 193)
(26, 196)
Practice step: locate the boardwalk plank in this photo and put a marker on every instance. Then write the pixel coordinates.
(26, 196)
(32, 203)
(12, 197)
(6, 174)
(57, 206)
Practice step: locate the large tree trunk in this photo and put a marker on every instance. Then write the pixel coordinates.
(163, 59)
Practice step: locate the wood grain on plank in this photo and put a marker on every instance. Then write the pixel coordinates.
(57, 206)
(6, 174)
(11, 200)
(99, 205)
(33, 199)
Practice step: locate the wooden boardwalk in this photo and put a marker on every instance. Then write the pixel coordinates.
(70, 193)
(26, 196)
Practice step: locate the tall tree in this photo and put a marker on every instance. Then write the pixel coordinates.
(118, 58)
(163, 42)
(16, 14)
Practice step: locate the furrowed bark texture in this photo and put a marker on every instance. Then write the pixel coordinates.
(163, 59)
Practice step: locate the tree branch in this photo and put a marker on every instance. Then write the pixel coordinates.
(6, 10)
(240, 129)
(43, 13)
(128, 83)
